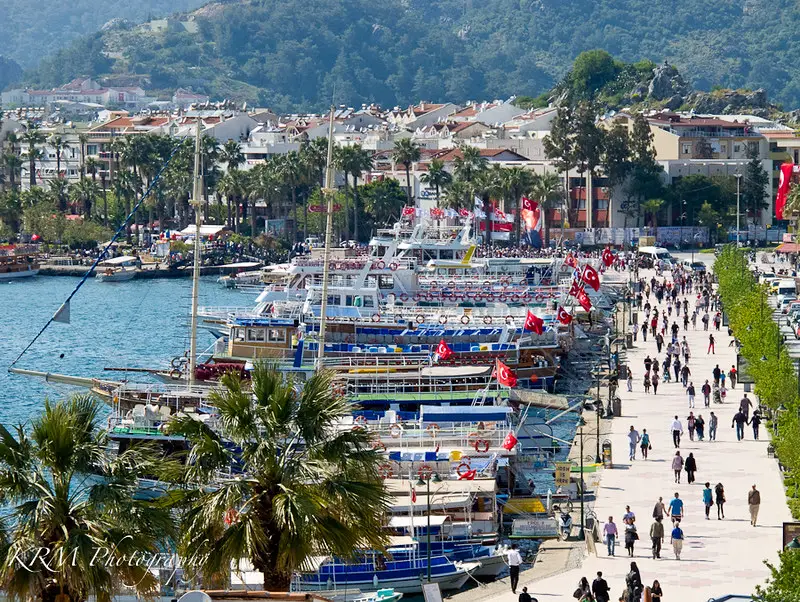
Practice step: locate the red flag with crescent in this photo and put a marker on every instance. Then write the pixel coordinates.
(504, 375)
(575, 289)
(534, 323)
(407, 211)
(571, 261)
(443, 350)
(510, 442)
(608, 257)
(563, 315)
(583, 299)
(783, 189)
(591, 277)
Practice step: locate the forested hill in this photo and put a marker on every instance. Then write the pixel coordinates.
(31, 30)
(290, 53)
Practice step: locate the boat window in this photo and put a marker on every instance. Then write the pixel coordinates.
(386, 281)
(369, 301)
(255, 335)
(348, 300)
(238, 334)
(372, 281)
(334, 300)
(446, 254)
(277, 336)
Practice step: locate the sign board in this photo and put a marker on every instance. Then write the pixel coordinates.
(742, 371)
(431, 592)
(534, 528)
(562, 473)
(790, 531)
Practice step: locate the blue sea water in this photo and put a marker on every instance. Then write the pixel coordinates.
(141, 323)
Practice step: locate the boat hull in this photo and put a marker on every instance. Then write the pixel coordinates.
(404, 585)
(121, 276)
(17, 275)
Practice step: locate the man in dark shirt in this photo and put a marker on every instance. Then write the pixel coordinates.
(525, 596)
(716, 373)
(600, 588)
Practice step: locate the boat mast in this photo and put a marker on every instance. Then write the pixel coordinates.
(197, 193)
(328, 191)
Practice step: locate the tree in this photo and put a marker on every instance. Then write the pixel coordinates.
(58, 190)
(755, 183)
(651, 208)
(783, 584)
(516, 182)
(591, 70)
(314, 156)
(233, 186)
(12, 163)
(559, 147)
(406, 152)
(616, 160)
(383, 202)
(645, 180)
(486, 184)
(546, 191)
(84, 192)
(59, 146)
(354, 160)
(32, 136)
(232, 157)
(437, 177)
(466, 167)
(307, 487)
(589, 141)
(290, 168)
(703, 149)
(54, 506)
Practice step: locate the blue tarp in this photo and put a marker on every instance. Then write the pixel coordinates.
(464, 414)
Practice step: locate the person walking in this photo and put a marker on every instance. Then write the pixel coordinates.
(656, 592)
(732, 375)
(657, 537)
(648, 362)
(712, 427)
(630, 537)
(514, 562)
(706, 390)
(708, 499)
(676, 366)
(646, 383)
(644, 332)
(677, 540)
(677, 431)
(716, 372)
(600, 588)
(677, 466)
(690, 425)
(633, 442)
(584, 591)
(633, 582)
(694, 320)
(525, 596)
(699, 427)
(755, 421)
(659, 341)
(711, 345)
(654, 381)
(630, 380)
(719, 498)
(690, 466)
(611, 534)
(644, 443)
(659, 510)
(753, 502)
(722, 379)
(744, 406)
(705, 321)
(685, 374)
(739, 420)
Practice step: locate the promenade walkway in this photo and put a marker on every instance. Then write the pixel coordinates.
(719, 556)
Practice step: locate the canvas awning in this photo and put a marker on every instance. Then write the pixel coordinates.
(404, 522)
(122, 260)
(788, 247)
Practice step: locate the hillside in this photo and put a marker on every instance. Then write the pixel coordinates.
(290, 53)
(33, 30)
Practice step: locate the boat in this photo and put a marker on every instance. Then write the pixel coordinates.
(242, 274)
(117, 269)
(15, 263)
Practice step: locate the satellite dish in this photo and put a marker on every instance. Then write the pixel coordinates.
(195, 596)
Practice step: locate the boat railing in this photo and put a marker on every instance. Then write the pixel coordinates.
(369, 362)
(415, 384)
(487, 437)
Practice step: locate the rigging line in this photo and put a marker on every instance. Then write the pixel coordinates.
(102, 255)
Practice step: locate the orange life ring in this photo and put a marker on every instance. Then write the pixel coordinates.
(487, 319)
(451, 284)
(478, 297)
(481, 443)
(379, 446)
(360, 420)
(465, 466)
(432, 428)
(376, 317)
(425, 472)
(395, 430)
(514, 298)
(393, 266)
(403, 297)
(420, 318)
(385, 471)
(465, 319)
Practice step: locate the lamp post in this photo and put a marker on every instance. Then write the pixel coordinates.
(427, 482)
(683, 218)
(581, 533)
(738, 187)
(597, 411)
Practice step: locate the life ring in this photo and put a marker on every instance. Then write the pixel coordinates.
(420, 318)
(385, 471)
(502, 298)
(403, 297)
(470, 294)
(487, 319)
(425, 472)
(465, 319)
(393, 266)
(451, 284)
(360, 420)
(395, 431)
(478, 297)
(481, 445)
(466, 468)
(442, 319)
(432, 429)
(174, 373)
(416, 297)
(505, 281)
(177, 361)
(434, 285)
(381, 264)
(522, 282)
(509, 319)
(487, 283)
(339, 389)
(376, 317)
(378, 446)
(514, 298)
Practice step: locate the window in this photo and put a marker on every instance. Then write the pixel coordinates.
(255, 335)
(737, 148)
(385, 281)
(91, 149)
(601, 204)
(238, 334)
(369, 301)
(686, 148)
(277, 336)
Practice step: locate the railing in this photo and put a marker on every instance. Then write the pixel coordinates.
(455, 435)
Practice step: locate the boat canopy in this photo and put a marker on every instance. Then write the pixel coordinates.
(403, 522)
(436, 502)
(337, 311)
(205, 230)
(121, 260)
(243, 265)
(464, 414)
(398, 487)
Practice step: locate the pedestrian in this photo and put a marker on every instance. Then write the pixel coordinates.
(690, 425)
(732, 374)
(708, 498)
(644, 443)
(690, 394)
(694, 320)
(685, 374)
(656, 592)
(644, 332)
(654, 381)
(686, 321)
(722, 379)
(676, 508)
(719, 498)
(657, 537)
(646, 383)
(739, 420)
(699, 426)
(712, 427)
(629, 516)
(584, 591)
(711, 345)
(633, 441)
(677, 540)
(630, 537)
(716, 372)
(705, 321)
(600, 588)
(753, 502)
(647, 363)
(630, 380)
(677, 431)
(659, 342)
(676, 366)
(744, 406)
(526, 597)
(677, 466)
(514, 562)
(706, 389)
(717, 320)
(755, 421)
(611, 535)
(690, 467)
(633, 581)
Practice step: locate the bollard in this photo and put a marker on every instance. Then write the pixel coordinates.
(617, 405)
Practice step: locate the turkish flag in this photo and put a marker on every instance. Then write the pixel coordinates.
(413, 496)
(571, 261)
(443, 350)
(408, 211)
(563, 316)
(534, 323)
(510, 442)
(504, 375)
(583, 299)
(591, 277)
(464, 213)
(608, 257)
(575, 289)
(783, 189)
(527, 204)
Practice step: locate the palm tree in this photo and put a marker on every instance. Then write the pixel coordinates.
(85, 192)
(486, 184)
(59, 145)
(233, 186)
(456, 193)
(651, 208)
(437, 177)
(13, 163)
(307, 487)
(92, 166)
(516, 183)
(57, 189)
(52, 505)
(291, 170)
(314, 155)
(354, 160)
(406, 152)
(209, 155)
(467, 166)
(32, 136)
(232, 157)
(546, 191)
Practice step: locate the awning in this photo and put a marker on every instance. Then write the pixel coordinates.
(403, 522)
(205, 230)
(240, 264)
(438, 502)
(788, 247)
(398, 487)
(464, 414)
(122, 260)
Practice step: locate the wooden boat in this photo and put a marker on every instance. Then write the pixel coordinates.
(15, 264)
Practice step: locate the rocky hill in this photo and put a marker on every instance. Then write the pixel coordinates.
(293, 53)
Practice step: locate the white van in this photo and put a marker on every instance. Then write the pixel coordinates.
(785, 287)
(652, 256)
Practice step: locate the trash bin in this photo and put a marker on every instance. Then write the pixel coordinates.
(617, 406)
(607, 461)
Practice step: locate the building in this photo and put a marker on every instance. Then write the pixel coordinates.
(83, 91)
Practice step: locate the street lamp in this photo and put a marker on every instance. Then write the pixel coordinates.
(683, 217)
(793, 545)
(427, 483)
(598, 411)
(581, 424)
(738, 186)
